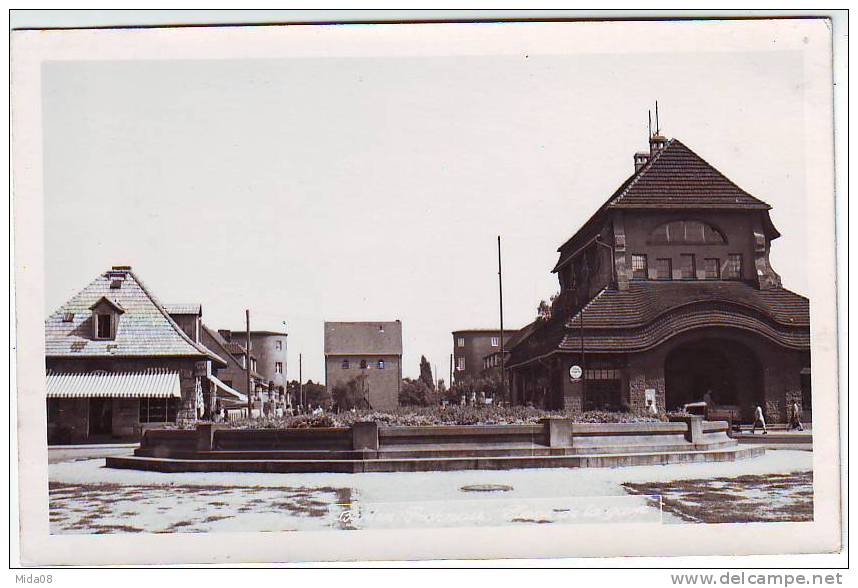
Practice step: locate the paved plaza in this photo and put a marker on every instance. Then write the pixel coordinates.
(86, 497)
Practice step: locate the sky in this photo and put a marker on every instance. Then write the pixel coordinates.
(374, 188)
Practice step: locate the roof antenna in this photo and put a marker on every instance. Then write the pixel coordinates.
(657, 128)
(649, 117)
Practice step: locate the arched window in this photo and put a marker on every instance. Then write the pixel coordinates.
(686, 232)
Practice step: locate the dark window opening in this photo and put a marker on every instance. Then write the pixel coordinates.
(158, 410)
(663, 269)
(345, 364)
(103, 326)
(363, 364)
(53, 409)
(602, 395)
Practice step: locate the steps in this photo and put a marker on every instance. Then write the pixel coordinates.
(435, 460)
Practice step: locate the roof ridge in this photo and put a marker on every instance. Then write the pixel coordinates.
(219, 340)
(201, 348)
(588, 304)
(647, 166)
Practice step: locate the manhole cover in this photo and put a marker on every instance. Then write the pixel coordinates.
(486, 488)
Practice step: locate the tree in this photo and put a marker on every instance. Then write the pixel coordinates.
(351, 394)
(442, 388)
(314, 394)
(426, 373)
(545, 309)
(416, 393)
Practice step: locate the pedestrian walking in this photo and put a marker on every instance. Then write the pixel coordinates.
(759, 419)
(795, 417)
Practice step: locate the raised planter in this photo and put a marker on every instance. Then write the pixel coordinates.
(366, 447)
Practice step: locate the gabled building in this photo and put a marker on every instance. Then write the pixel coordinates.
(370, 349)
(667, 294)
(116, 360)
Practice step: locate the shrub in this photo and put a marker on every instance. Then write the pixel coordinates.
(437, 415)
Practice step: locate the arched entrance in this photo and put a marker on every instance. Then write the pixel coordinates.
(726, 370)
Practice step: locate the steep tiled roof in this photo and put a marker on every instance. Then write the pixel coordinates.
(363, 338)
(676, 177)
(648, 313)
(144, 329)
(643, 302)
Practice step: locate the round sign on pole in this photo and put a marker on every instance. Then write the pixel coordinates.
(575, 372)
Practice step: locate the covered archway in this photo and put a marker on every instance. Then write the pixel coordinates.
(724, 371)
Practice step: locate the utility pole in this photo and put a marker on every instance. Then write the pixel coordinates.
(248, 363)
(301, 379)
(451, 371)
(500, 298)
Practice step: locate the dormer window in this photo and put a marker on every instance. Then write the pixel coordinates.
(105, 318)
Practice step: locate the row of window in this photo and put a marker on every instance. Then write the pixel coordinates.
(712, 269)
(363, 364)
(495, 342)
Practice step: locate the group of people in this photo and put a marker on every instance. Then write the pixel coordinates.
(794, 419)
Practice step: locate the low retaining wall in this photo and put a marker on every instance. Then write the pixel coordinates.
(556, 436)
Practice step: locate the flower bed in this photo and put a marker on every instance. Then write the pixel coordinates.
(436, 415)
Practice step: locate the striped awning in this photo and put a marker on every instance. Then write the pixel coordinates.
(151, 383)
(225, 392)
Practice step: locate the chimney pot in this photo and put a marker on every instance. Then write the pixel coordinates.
(656, 144)
(640, 160)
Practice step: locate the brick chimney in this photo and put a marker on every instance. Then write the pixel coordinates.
(656, 144)
(641, 157)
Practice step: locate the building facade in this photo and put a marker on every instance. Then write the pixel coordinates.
(667, 295)
(116, 361)
(370, 349)
(471, 348)
(269, 351)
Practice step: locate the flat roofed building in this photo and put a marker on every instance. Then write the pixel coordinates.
(371, 349)
(472, 346)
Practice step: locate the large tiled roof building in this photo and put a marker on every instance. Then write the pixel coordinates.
(667, 295)
(117, 359)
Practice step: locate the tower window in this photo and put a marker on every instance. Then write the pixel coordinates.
(495, 342)
(460, 364)
(639, 267)
(278, 367)
(460, 342)
(278, 345)
(663, 268)
(687, 268)
(712, 268)
(733, 271)
(363, 364)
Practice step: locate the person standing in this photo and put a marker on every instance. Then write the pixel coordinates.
(759, 419)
